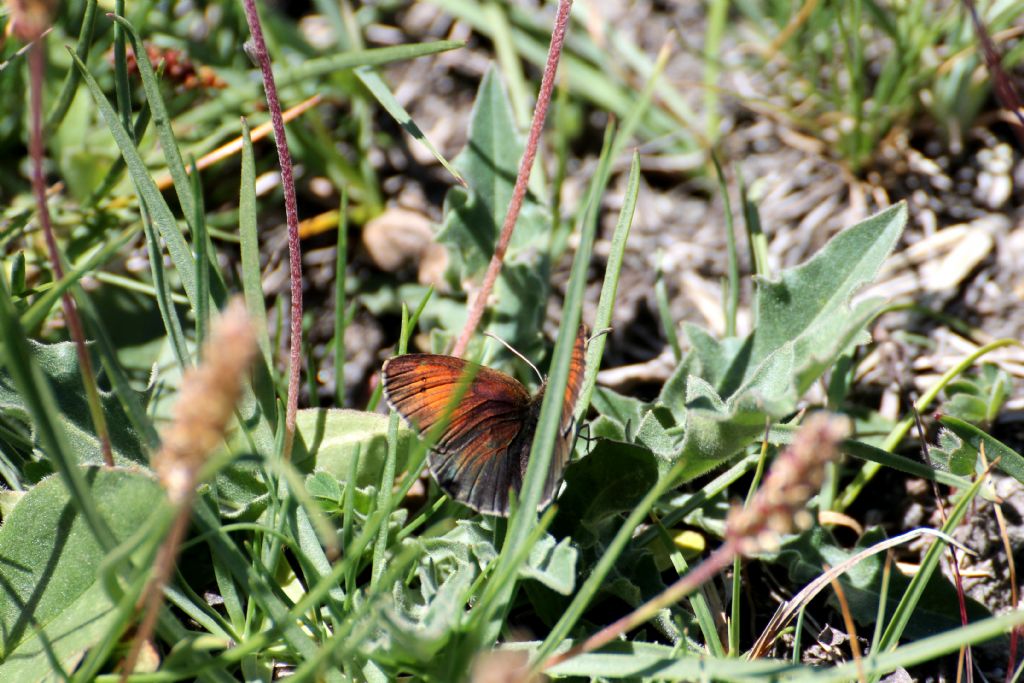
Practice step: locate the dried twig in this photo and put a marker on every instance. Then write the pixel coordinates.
(851, 628)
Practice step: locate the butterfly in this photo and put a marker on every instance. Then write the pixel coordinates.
(484, 449)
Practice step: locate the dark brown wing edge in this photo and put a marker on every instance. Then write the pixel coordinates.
(567, 429)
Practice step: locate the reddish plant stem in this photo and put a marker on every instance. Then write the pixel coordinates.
(291, 215)
(37, 65)
(686, 584)
(540, 112)
(1005, 91)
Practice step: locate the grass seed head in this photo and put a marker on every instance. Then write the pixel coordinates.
(778, 506)
(206, 402)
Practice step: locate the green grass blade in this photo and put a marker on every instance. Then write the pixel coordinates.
(542, 449)
(732, 289)
(312, 69)
(254, 411)
(905, 609)
(718, 13)
(340, 297)
(165, 304)
(258, 587)
(387, 481)
(698, 603)
(178, 249)
(67, 93)
(380, 90)
(508, 59)
(756, 239)
(122, 88)
(162, 123)
(252, 282)
(202, 248)
(610, 285)
(668, 325)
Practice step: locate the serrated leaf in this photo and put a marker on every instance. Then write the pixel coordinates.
(52, 605)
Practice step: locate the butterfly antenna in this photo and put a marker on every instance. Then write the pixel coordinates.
(599, 333)
(521, 356)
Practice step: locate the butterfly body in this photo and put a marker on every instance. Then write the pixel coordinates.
(484, 449)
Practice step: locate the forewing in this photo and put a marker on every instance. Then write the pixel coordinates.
(470, 459)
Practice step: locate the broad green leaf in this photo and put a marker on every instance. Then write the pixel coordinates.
(83, 159)
(952, 454)
(716, 429)
(428, 610)
(978, 397)
(473, 220)
(809, 306)
(601, 486)
(52, 604)
(625, 412)
(1010, 461)
(327, 441)
(59, 362)
(331, 439)
(653, 434)
(553, 564)
(731, 388)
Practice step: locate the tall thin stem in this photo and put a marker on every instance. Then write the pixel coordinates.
(292, 217)
(540, 112)
(74, 322)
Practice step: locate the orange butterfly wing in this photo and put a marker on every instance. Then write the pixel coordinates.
(484, 449)
(567, 428)
(470, 459)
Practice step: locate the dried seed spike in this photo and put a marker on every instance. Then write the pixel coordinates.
(778, 506)
(206, 401)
